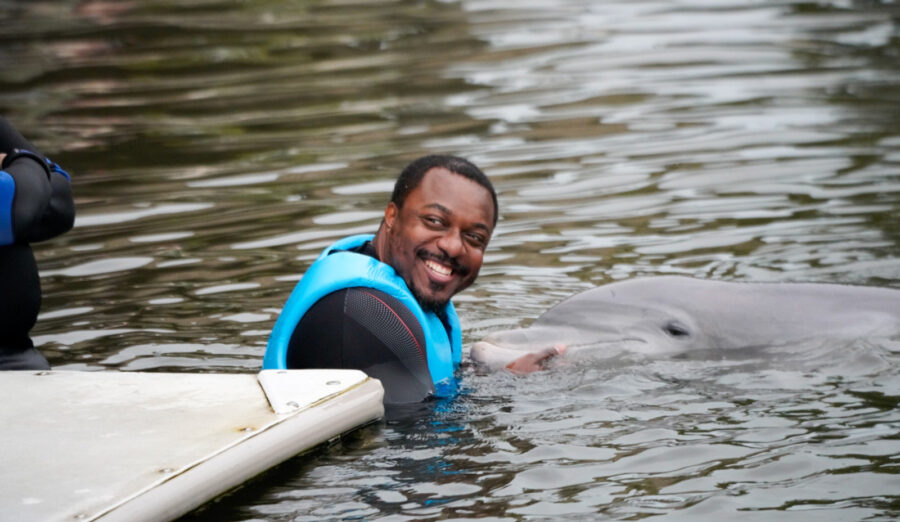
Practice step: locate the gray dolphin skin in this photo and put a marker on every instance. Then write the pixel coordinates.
(670, 315)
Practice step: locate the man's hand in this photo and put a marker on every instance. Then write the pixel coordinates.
(534, 361)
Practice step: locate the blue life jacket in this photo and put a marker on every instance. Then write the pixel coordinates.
(336, 269)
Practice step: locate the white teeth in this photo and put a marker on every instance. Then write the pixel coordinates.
(440, 269)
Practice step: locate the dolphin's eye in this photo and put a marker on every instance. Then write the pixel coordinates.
(676, 329)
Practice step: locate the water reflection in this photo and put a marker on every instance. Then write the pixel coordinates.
(217, 147)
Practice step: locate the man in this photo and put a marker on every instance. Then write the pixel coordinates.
(381, 303)
(35, 204)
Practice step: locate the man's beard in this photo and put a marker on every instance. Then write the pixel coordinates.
(428, 304)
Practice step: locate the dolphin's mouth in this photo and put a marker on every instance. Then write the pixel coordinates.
(492, 356)
(495, 356)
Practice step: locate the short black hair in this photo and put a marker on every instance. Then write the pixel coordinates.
(412, 176)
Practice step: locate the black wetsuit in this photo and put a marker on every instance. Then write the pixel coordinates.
(365, 329)
(42, 208)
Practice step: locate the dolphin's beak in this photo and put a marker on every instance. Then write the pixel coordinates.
(492, 356)
(498, 349)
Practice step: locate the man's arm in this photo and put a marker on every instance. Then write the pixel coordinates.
(35, 194)
(368, 330)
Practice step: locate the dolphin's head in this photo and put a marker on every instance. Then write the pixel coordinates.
(590, 322)
(670, 315)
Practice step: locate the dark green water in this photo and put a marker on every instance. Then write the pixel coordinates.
(217, 146)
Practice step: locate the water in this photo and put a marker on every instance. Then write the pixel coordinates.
(218, 146)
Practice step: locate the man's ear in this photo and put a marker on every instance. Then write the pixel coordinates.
(390, 214)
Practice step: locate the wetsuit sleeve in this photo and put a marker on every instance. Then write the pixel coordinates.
(35, 194)
(368, 330)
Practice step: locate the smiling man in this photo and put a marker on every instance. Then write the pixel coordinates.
(381, 303)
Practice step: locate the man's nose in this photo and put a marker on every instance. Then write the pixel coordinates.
(451, 243)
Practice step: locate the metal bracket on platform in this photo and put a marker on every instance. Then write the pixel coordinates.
(292, 390)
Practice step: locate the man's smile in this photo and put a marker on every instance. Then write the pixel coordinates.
(438, 268)
(441, 269)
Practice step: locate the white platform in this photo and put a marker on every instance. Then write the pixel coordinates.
(153, 446)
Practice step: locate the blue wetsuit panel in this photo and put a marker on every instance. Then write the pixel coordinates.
(7, 194)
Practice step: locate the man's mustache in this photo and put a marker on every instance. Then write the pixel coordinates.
(444, 259)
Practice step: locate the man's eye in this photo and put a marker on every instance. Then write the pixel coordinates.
(476, 239)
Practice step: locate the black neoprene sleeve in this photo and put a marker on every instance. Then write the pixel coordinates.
(43, 205)
(368, 330)
(11, 139)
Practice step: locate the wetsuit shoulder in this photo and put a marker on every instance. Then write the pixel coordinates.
(36, 200)
(369, 330)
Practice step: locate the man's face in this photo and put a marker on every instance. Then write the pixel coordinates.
(436, 242)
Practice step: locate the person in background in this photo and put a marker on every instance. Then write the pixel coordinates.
(35, 204)
(381, 303)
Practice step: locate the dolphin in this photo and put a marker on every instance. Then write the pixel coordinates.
(672, 315)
